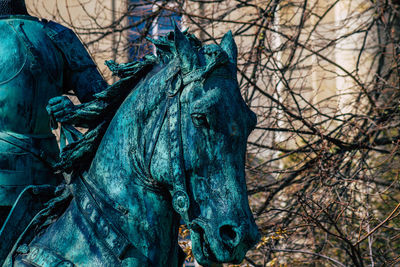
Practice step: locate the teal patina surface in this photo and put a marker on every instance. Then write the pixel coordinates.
(174, 150)
(39, 60)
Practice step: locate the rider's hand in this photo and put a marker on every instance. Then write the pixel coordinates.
(61, 109)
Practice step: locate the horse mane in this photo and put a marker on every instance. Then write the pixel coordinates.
(97, 114)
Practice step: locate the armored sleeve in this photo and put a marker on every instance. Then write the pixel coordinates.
(80, 72)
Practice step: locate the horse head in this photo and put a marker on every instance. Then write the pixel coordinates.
(206, 144)
(177, 141)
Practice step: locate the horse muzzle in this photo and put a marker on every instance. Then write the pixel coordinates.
(228, 242)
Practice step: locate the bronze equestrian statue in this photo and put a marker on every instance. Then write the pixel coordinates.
(166, 144)
(39, 60)
(173, 151)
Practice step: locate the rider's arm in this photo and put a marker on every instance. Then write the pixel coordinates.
(84, 82)
(80, 73)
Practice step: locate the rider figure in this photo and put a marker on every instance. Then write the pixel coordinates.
(39, 60)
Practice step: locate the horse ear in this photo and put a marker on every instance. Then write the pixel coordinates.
(229, 46)
(185, 51)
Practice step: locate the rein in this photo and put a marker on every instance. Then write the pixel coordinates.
(92, 203)
(92, 208)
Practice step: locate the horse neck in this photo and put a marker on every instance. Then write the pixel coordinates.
(120, 166)
(121, 156)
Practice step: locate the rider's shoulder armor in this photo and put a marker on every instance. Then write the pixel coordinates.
(69, 45)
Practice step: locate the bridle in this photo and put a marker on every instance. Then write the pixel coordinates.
(177, 80)
(171, 116)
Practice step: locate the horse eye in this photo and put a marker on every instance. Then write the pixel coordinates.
(200, 120)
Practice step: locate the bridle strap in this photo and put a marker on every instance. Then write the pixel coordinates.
(180, 198)
(195, 75)
(172, 116)
(110, 234)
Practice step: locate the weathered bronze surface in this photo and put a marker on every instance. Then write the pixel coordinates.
(38, 61)
(174, 150)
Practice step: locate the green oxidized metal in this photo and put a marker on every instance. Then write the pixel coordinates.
(174, 150)
(39, 60)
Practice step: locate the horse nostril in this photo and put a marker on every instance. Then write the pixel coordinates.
(229, 235)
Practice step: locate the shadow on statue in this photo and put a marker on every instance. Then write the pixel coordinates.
(166, 142)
